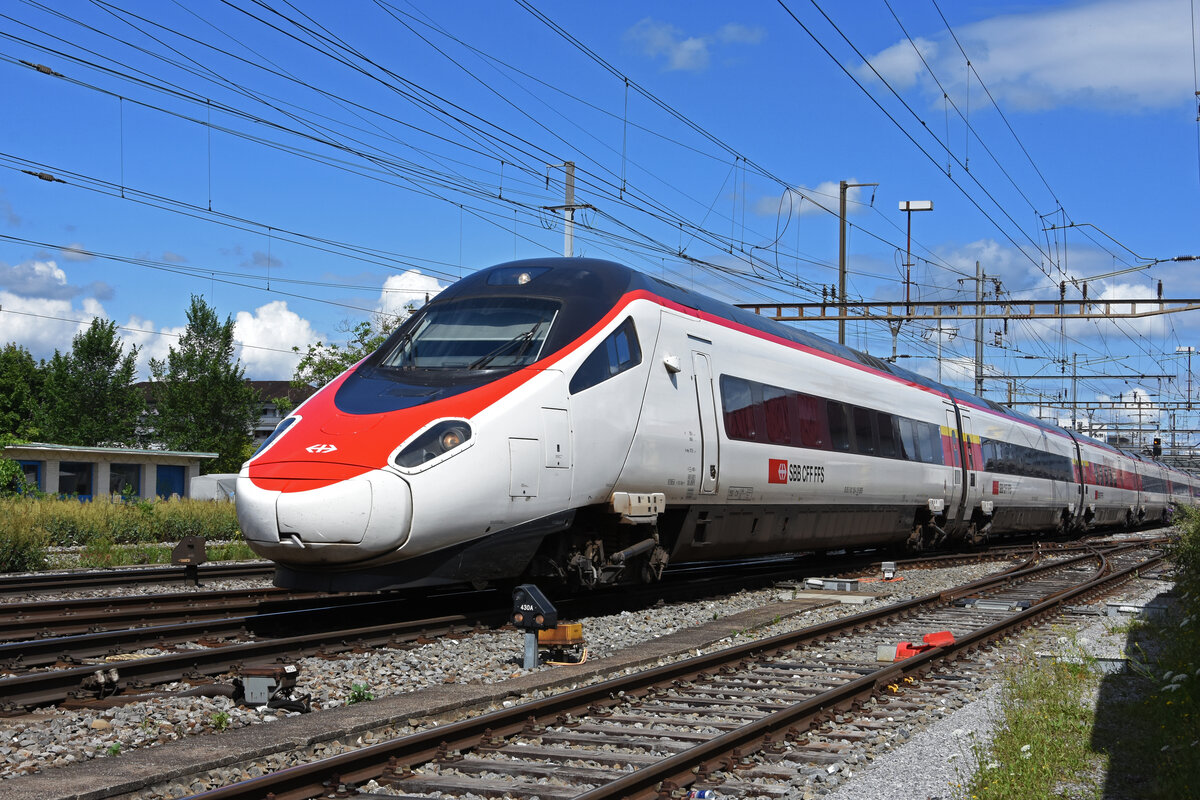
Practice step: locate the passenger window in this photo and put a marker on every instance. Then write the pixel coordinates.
(931, 444)
(864, 436)
(737, 402)
(616, 354)
(839, 430)
(775, 408)
(813, 430)
(887, 435)
(908, 440)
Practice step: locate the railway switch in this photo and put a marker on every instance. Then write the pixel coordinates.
(532, 612)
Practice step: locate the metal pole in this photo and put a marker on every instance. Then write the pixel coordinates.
(978, 332)
(908, 266)
(569, 211)
(939, 351)
(842, 186)
(1074, 390)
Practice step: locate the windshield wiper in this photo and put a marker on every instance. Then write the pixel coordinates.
(523, 339)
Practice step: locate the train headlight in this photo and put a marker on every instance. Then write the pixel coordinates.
(441, 438)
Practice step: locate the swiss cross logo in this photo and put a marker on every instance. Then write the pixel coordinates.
(321, 448)
(777, 470)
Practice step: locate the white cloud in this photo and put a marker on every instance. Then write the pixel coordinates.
(37, 279)
(736, 33)
(804, 201)
(275, 329)
(1136, 406)
(1110, 54)
(687, 52)
(42, 324)
(409, 287)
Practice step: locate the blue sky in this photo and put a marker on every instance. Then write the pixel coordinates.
(305, 165)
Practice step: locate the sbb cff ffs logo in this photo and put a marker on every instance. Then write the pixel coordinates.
(780, 471)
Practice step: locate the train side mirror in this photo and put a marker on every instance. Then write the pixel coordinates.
(531, 611)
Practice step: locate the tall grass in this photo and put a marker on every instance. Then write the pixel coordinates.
(23, 545)
(29, 526)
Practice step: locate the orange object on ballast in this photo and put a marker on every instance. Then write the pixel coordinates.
(566, 634)
(930, 641)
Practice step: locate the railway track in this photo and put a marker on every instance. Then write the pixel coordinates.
(90, 579)
(57, 661)
(54, 618)
(53, 669)
(734, 720)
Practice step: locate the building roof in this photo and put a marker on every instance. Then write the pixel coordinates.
(130, 451)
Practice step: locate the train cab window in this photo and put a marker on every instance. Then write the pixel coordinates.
(476, 333)
(864, 431)
(618, 352)
(839, 427)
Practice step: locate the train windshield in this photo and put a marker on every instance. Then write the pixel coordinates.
(476, 333)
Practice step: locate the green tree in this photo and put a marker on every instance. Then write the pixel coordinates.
(21, 380)
(201, 399)
(88, 397)
(322, 362)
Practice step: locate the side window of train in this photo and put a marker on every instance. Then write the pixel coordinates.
(814, 431)
(839, 427)
(908, 439)
(737, 403)
(931, 443)
(618, 352)
(886, 425)
(776, 407)
(864, 431)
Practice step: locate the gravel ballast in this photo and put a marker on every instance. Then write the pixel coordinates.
(74, 750)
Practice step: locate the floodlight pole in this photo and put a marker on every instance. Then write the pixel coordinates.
(842, 187)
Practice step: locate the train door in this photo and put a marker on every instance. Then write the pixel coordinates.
(971, 456)
(706, 400)
(953, 456)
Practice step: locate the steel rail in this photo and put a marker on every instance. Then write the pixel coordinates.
(42, 652)
(355, 767)
(680, 769)
(63, 617)
(45, 688)
(75, 579)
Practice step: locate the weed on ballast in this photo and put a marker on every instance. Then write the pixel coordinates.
(1069, 731)
(1046, 707)
(359, 693)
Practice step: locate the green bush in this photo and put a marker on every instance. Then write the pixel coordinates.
(111, 531)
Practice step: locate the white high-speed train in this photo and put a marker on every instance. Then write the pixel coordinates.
(576, 419)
